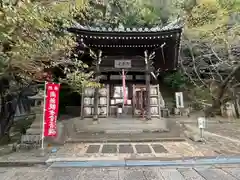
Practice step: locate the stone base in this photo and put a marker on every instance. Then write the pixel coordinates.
(119, 125)
(61, 135)
(31, 138)
(41, 152)
(95, 121)
(34, 131)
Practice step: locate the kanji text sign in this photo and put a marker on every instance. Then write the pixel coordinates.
(51, 109)
(122, 64)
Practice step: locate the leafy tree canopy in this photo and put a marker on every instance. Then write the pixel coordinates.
(127, 13)
(33, 41)
(210, 48)
(32, 36)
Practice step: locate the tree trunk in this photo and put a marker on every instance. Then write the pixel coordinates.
(217, 101)
(2, 115)
(7, 115)
(8, 108)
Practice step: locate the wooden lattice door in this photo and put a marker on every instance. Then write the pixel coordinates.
(140, 100)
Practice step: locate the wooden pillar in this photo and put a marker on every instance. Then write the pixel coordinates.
(82, 104)
(96, 92)
(148, 108)
(96, 99)
(147, 76)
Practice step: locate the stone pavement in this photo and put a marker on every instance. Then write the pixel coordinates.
(121, 151)
(228, 139)
(105, 151)
(231, 130)
(135, 173)
(25, 158)
(221, 138)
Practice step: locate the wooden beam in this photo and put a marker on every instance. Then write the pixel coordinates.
(148, 78)
(96, 92)
(99, 57)
(112, 69)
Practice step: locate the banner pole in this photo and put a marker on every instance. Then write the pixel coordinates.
(124, 87)
(43, 123)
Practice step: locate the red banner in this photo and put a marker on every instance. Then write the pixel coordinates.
(124, 87)
(51, 109)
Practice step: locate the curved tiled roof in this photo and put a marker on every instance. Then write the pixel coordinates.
(116, 41)
(171, 26)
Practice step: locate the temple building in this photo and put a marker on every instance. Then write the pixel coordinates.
(129, 62)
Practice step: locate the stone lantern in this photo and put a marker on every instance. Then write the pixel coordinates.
(38, 102)
(38, 110)
(36, 127)
(33, 134)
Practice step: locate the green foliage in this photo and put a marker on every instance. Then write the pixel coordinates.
(32, 37)
(212, 28)
(210, 47)
(203, 14)
(78, 78)
(176, 80)
(229, 4)
(212, 14)
(188, 5)
(127, 13)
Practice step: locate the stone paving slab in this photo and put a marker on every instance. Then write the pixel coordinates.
(125, 148)
(190, 174)
(121, 173)
(214, 174)
(232, 171)
(93, 149)
(142, 148)
(121, 151)
(158, 148)
(109, 148)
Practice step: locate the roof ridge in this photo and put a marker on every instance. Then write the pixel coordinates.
(176, 24)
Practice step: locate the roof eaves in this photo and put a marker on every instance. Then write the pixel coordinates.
(170, 26)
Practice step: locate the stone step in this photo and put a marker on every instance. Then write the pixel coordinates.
(130, 126)
(27, 146)
(130, 121)
(122, 130)
(173, 135)
(36, 125)
(123, 140)
(34, 131)
(31, 139)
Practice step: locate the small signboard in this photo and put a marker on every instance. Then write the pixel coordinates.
(119, 77)
(179, 100)
(201, 123)
(122, 64)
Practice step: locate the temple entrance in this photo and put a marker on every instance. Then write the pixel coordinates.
(120, 109)
(140, 102)
(128, 58)
(128, 109)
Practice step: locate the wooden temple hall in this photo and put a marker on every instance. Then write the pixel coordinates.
(128, 62)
